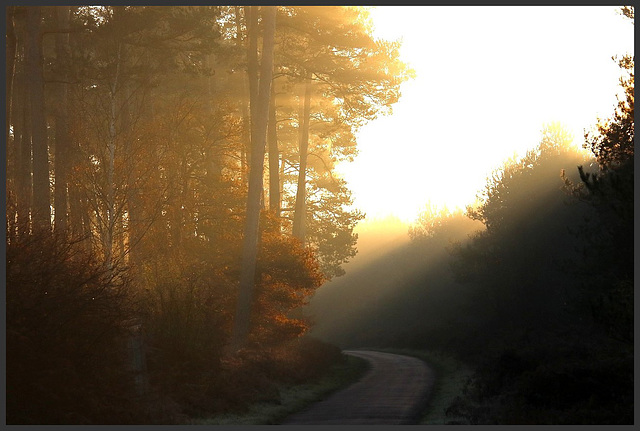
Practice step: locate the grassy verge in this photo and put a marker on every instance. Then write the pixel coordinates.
(451, 376)
(294, 398)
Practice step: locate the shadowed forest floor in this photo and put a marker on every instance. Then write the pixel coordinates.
(291, 399)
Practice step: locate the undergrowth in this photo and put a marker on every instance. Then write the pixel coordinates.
(287, 399)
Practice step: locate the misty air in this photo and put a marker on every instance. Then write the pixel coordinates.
(297, 215)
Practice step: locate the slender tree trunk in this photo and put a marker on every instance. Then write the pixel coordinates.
(62, 135)
(213, 156)
(41, 198)
(260, 106)
(184, 215)
(274, 175)
(176, 179)
(110, 221)
(12, 142)
(299, 216)
(22, 135)
(89, 238)
(281, 179)
(79, 227)
(11, 168)
(120, 237)
(134, 203)
(252, 70)
(77, 207)
(244, 100)
(81, 212)
(214, 166)
(10, 68)
(211, 82)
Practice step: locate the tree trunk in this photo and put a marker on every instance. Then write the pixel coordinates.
(22, 136)
(282, 179)
(10, 67)
(41, 199)
(252, 70)
(260, 106)
(62, 135)
(120, 237)
(110, 221)
(134, 203)
(76, 163)
(79, 229)
(244, 100)
(299, 216)
(176, 177)
(274, 175)
(11, 145)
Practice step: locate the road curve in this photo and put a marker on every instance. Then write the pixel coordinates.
(393, 391)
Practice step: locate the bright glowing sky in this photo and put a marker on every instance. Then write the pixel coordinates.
(488, 78)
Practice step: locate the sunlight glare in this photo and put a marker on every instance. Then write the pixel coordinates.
(487, 80)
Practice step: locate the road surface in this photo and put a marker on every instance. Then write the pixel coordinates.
(393, 391)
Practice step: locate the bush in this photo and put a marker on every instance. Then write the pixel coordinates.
(550, 386)
(66, 341)
(185, 333)
(257, 375)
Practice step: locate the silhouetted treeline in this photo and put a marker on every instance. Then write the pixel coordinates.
(470, 281)
(537, 295)
(568, 354)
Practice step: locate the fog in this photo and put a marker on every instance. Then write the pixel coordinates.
(388, 281)
(498, 269)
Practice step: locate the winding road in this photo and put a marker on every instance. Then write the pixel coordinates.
(393, 391)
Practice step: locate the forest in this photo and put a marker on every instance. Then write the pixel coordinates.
(171, 200)
(173, 207)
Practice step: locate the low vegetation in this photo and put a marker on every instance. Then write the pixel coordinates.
(86, 345)
(72, 355)
(67, 357)
(289, 399)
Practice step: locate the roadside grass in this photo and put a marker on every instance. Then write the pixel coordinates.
(294, 398)
(450, 377)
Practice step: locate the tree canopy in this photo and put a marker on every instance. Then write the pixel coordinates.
(136, 136)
